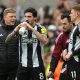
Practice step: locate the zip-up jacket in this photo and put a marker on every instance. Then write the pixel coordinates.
(9, 53)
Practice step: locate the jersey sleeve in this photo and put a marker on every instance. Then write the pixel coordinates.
(44, 31)
(77, 50)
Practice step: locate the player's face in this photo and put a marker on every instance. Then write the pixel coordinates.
(10, 18)
(66, 24)
(29, 16)
(73, 15)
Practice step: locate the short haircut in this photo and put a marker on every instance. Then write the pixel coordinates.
(31, 10)
(76, 7)
(66, 15)
(8, 10)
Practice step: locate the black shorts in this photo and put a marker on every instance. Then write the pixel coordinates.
(73, 70)
(37, 73)
(8, 73)
(63, 73)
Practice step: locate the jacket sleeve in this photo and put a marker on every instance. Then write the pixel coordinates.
(53, 64)
(11, 36)
(58, 47)
(56, 54)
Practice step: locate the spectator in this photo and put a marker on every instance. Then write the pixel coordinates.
(46, 21)
(2, 8)
(68, 4)
(13, 4)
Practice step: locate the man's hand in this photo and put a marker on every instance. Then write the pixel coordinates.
(68, 56)
(17, 28)
(24, 24)
(50, 74)
(29, 27)
(20, 25)
(64, 53)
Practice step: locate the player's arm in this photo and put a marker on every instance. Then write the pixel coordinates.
(56, 55)
(12, 34)
(42, 37)
(73, 51)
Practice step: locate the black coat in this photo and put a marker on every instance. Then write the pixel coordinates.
(9, 53)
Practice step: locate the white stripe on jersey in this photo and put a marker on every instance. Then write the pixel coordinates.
(35, 56)
(24, 51)
(70, 46)
(24, 54)
(77, 45)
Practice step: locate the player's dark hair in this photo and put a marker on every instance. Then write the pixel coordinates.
(66, 15)
(31, 10)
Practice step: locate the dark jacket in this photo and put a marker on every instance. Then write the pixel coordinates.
(9, 53)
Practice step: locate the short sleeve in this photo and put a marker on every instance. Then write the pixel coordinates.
(44, 31)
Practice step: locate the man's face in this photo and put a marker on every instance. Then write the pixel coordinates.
(73, 15)
(29, 16)
(66, 25)
(10, 18)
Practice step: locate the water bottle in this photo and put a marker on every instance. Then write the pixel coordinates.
(22, 29)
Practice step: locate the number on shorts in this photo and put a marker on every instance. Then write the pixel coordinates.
(73, 73)
(41, 76)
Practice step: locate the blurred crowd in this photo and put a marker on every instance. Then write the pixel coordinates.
(47, 17)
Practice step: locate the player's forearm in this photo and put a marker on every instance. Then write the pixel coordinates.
(53, 64)
(41, 38)
(10, 37)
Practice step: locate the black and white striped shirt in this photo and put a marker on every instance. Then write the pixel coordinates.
(32, 48)
(74, 43)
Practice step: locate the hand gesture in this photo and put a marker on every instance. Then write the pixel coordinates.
(50, 74)
(17, 28)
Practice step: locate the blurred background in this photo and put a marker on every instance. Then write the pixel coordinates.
(34, 3)
(49, 13)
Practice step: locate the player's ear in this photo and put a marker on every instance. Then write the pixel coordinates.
(35, 18)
